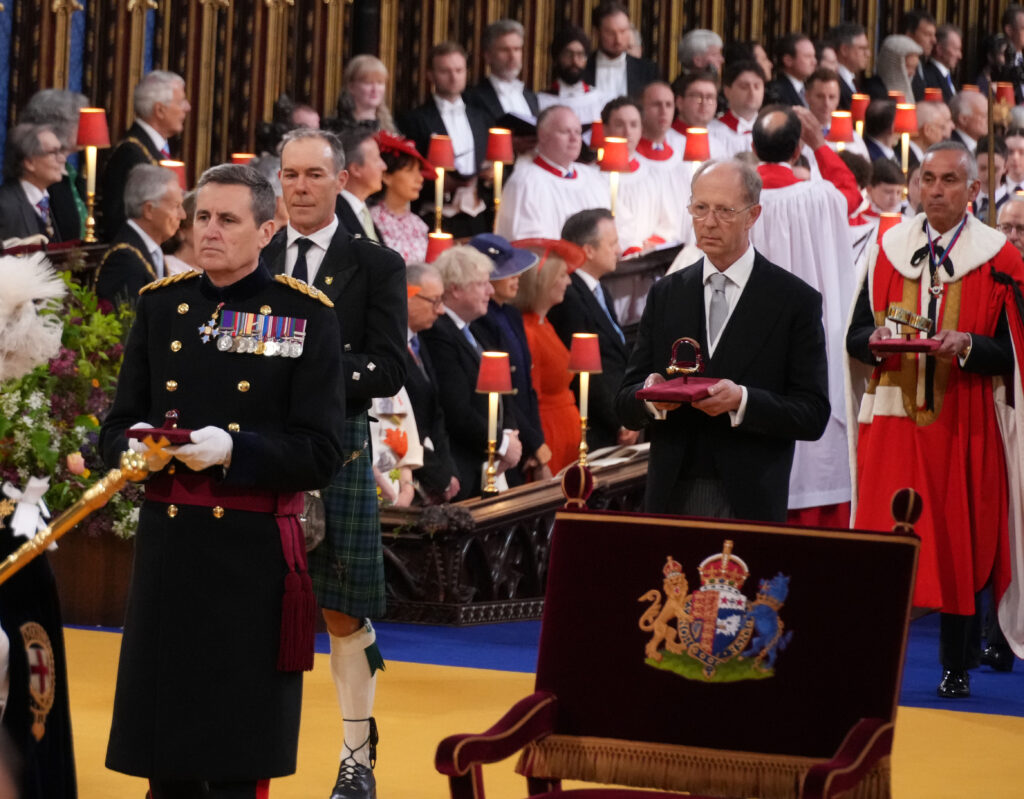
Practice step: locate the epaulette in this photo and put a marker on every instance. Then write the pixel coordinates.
(305, 288)
(166, 281)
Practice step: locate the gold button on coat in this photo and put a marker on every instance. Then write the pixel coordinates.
(175, 346)
(183, 308)
(172, 510)
(264, 309)
(218, 511)
(243, 386)
(233, 427)
(172, 385)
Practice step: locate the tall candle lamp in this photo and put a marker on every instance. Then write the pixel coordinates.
(493, 379)
(614, 159)
(93, 133)
(442, 155)
(584, 360)
(499, 152)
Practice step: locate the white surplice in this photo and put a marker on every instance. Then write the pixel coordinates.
(536, 203)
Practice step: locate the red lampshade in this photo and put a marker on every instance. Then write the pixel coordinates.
(242, 158)
(494, 375)
(969, 87)
(499, 145)
(906, 118)
(178, 168)
(841, 128)
(441, 153)
(1004, 93)
(597, 135)
(899, 97)
(858, 105)
(616, 155)
(585, 353)
(697, 147)
(437, 243)
(886, 221)
(92, 128)
(933, 95)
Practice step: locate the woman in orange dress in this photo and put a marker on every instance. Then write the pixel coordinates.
(539, 290)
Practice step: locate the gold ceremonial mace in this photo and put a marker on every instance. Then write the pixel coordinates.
(132, 467)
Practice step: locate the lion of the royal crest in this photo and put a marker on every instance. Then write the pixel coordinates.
(664, 620)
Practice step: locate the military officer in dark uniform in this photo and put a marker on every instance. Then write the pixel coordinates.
(220, 613)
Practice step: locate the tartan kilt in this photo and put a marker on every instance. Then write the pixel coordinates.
(347, 568)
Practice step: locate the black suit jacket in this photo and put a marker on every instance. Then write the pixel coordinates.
(423, 388)
(773, 344)
(366, 283)
(781, 91)
(875, 88)
(639, 72)
(580, 312)
(485, 98)
(457, 364)
(934, 79)
(845, 95)
(425, 120)
(348, 220)
(18, 218)
(135, 148)
(126, 267)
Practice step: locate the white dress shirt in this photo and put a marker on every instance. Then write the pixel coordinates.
(34, 195)
(315, 254)
(798, 87)
(160, 142)
(156, 255)
(453, 114)
(510, 95)
(847, 77)
(610, 74)
(736, 277)
(360, 209)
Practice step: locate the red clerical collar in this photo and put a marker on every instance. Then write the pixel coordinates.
(679, 126)
(655, 152)
(731, 121)
(634, 165)
(556, 87)
(776, 176)
(571, 173)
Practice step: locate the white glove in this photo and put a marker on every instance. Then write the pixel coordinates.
(155, 459)
(211, 446)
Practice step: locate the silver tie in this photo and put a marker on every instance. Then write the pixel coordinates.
(719, 307)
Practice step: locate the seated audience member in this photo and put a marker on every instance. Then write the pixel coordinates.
(934, 124)
(700, 50)
(879, 135)
(1014, 140)
(853, 54)
(287, 115)
(636, 43)
(502, 92)
(362, 102)
(885, 189)
(760, 56)
(455, 352)
(660, 143)
(945, 57)
(160, 109)
(588, 308)
(270, 167)
(365, 170)
(446, 114)
(696, 104)
(1011, 225)
(919, 26)
(825, 54)
(435, 480)
(153, 203)
(501, 329)
(970, 118)
(650, 208)
(180, 250)
(822, 99)
(993, 58)
(569, 56)
(544, 192)
(58, 108)
(540, 290)
(614, 71)
(34, 162)
(998, 164)
(395, 447)
(913, 202)
(401, 229)
(897, 61)
(743, 87)
(794, 55)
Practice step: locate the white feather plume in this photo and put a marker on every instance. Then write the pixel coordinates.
(27, 339)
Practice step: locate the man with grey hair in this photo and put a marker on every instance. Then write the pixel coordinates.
(942, 409)
(1011, 221)
(701, 50)
(160, 110)
(970, 118)
(153, 204)
(34, 162)
(366, 283)
(760, 334)
(220, 569)
(501, 92)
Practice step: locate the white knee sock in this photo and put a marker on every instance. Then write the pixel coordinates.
(356, 687)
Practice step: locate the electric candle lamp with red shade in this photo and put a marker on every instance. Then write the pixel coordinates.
(243, 158)
(858, 107)
(93, 133)
(841, 129)
(614, 159)
(437, 243)
(905, 124)
(442, 155)
(178, 168)
(493, 379)
(499, 152)
(584, 360)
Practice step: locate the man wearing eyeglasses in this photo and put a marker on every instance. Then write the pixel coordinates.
(366, 283)
(938, 420)
(760, 334)
(35, 162)
(1011, 222)
(696, 104)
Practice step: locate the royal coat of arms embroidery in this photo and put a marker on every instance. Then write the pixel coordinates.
(714, 634)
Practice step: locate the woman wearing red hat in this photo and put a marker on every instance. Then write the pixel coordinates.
(401, 229)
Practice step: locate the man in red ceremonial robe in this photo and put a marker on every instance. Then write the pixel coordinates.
(939, 421)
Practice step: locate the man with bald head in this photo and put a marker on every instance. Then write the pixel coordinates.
(1011, 222)
(759, 330)
(543, 193)
(934, 124)
(938, 421)
(970, 118)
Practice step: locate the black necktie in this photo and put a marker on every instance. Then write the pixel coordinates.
(300, 270)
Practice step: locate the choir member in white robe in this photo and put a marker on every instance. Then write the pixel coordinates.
(822, 90)
(545, 191)
(803, 227)
(696, 97)
(660, 143)
(743, 87)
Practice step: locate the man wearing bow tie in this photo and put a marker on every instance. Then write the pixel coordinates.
(938, 421)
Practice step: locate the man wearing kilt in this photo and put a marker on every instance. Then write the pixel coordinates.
(366, 282)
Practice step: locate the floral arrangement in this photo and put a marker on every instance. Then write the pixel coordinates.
(50, 418)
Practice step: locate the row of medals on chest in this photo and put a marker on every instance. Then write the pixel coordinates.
(254, 333)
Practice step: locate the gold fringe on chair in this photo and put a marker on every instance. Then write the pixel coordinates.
(682, 768)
